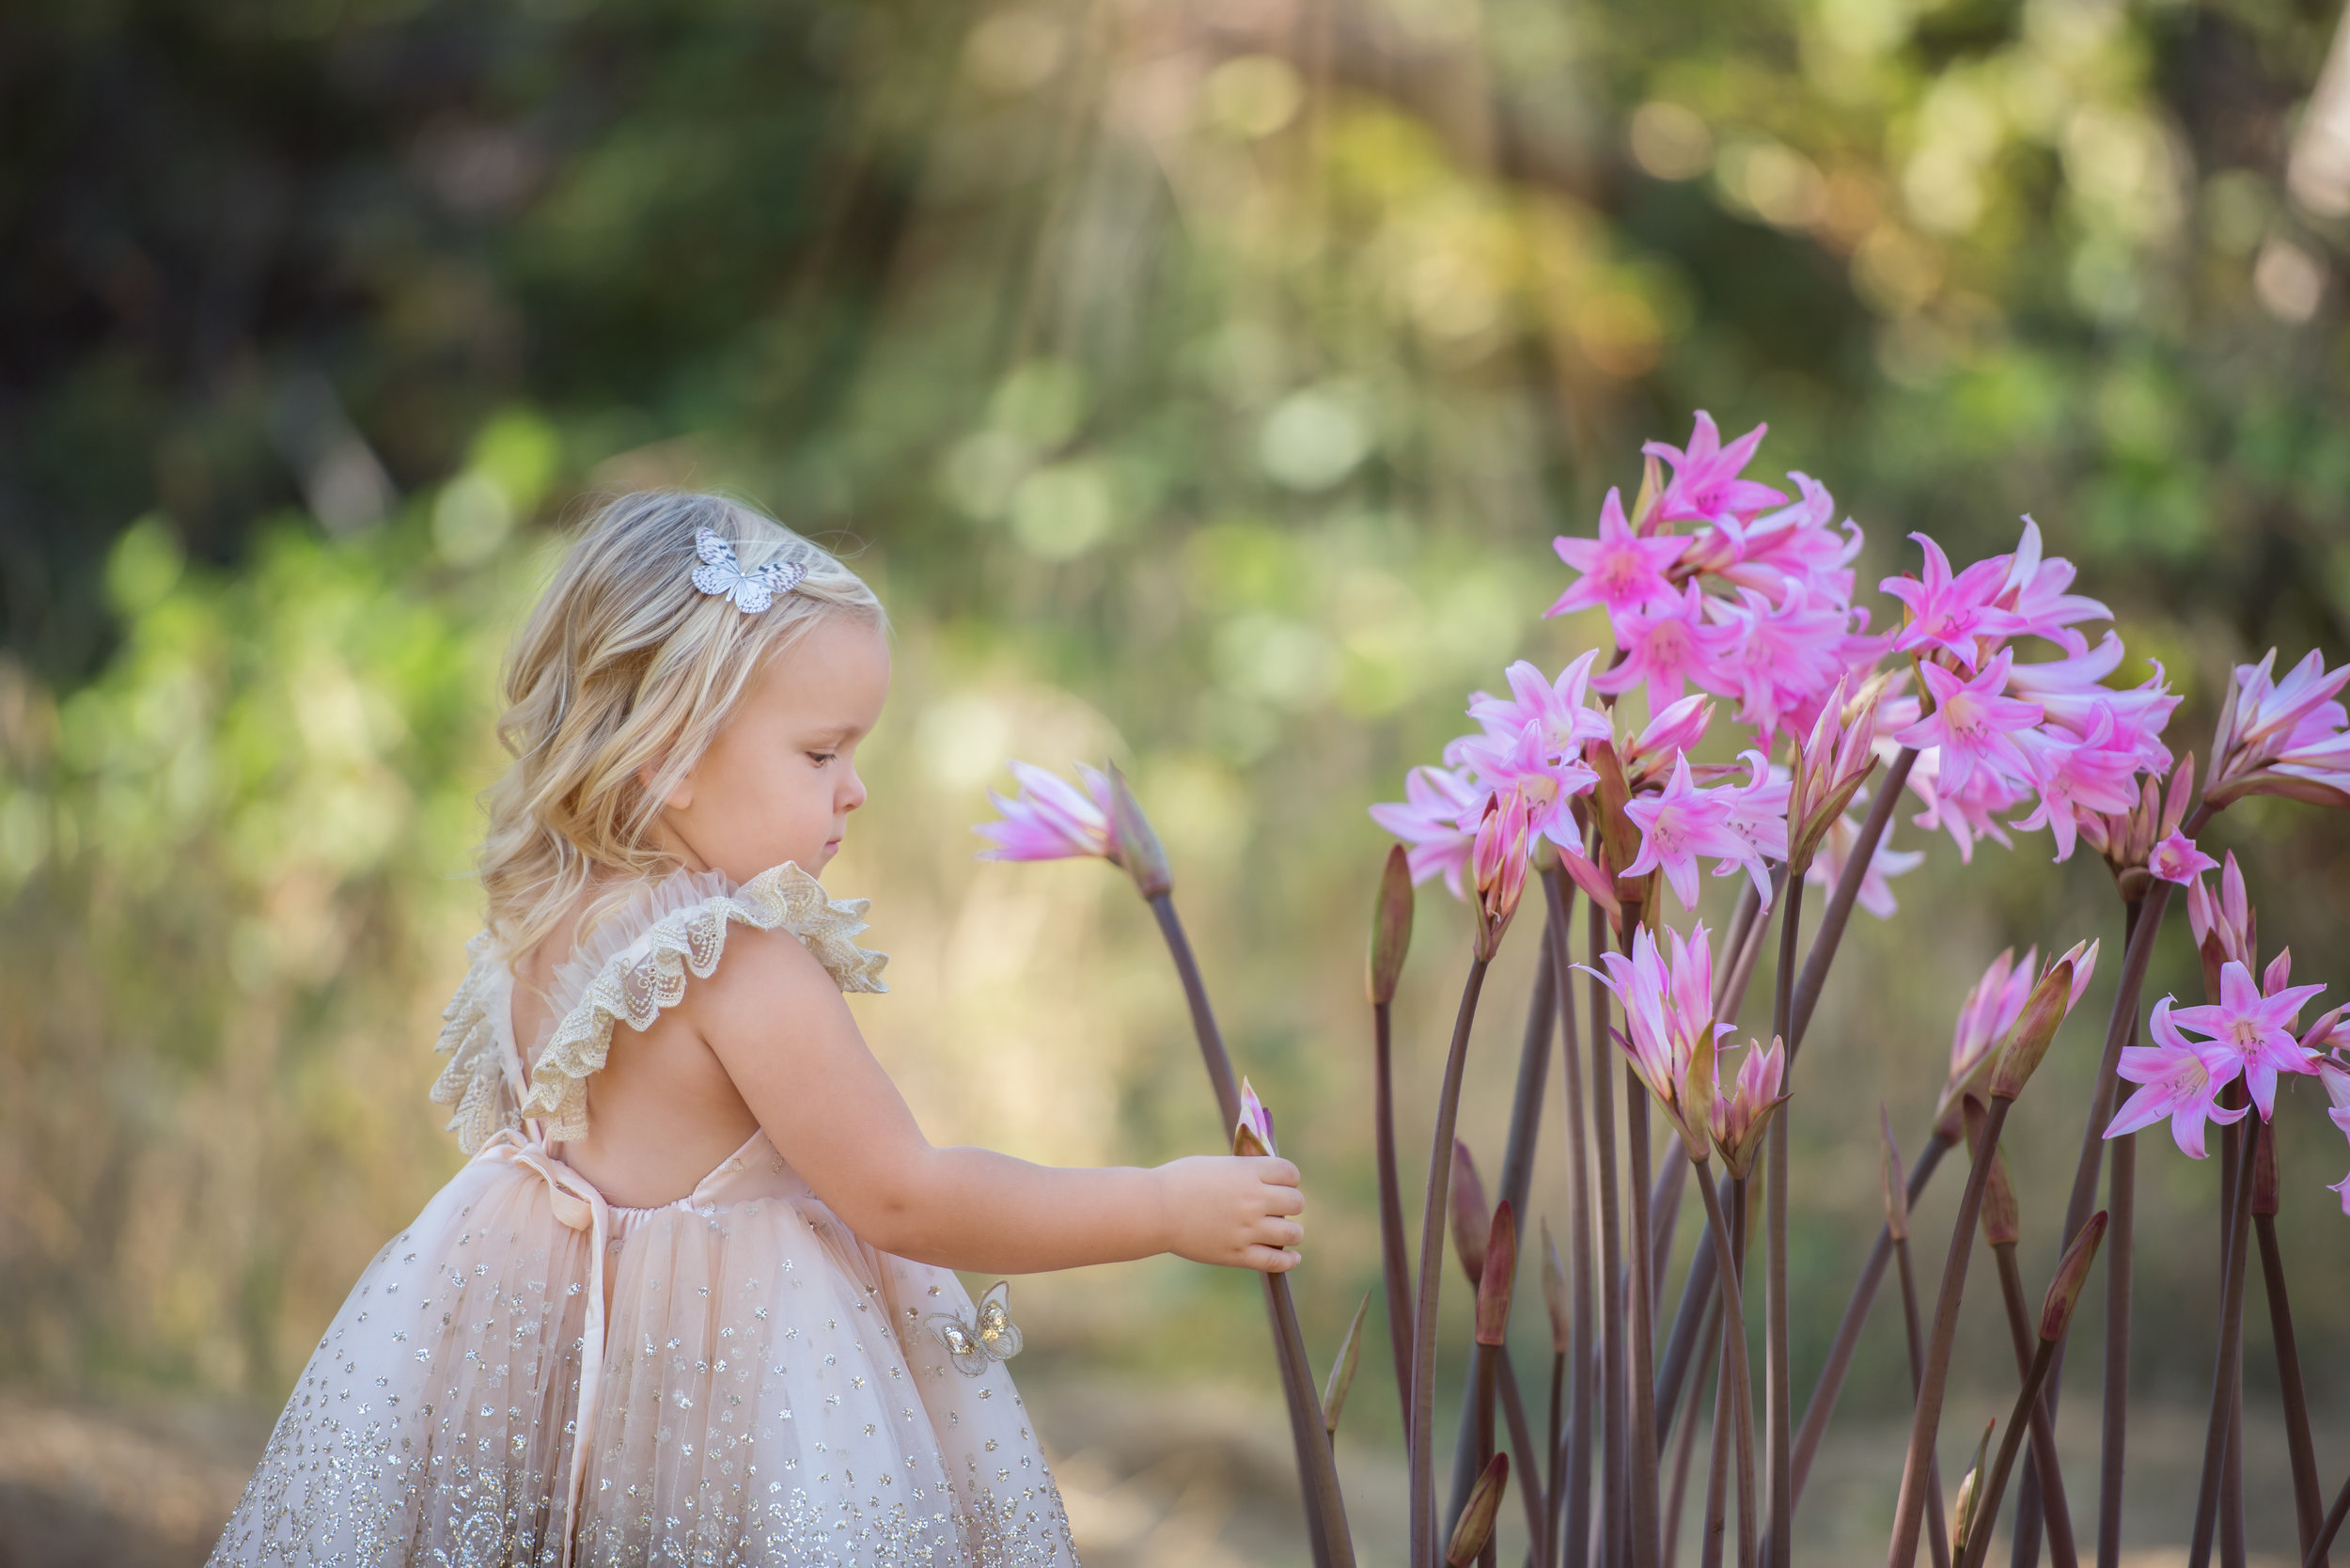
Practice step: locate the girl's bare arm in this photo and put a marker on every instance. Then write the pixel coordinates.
(779, 1026)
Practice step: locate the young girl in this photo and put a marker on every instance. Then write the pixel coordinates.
(690, 1301)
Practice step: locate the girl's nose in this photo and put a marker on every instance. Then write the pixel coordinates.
(853, 794)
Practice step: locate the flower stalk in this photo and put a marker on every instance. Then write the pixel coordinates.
(1391, 938)
(1897, 1229)
(2226, 1386)
(2306, 1504)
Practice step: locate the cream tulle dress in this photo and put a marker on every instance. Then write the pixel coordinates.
(741, 1381)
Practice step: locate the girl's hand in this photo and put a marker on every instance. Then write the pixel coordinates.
(1233, 1210)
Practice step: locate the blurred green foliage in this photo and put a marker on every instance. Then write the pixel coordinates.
(1197, 381)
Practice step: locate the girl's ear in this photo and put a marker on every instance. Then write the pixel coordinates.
(680, 795)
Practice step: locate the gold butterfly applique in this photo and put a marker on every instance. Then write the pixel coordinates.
(989, 1335)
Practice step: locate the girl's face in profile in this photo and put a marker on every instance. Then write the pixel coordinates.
(779, 780)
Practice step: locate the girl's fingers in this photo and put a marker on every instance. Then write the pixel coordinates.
(1268, 1259)
(1284, 1200)
(1281, 1232)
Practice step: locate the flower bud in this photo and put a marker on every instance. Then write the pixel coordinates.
(1476, 1526)
(1253, 1132)
(1342, 1369)
(1499, 1273)
(2064, 1291)
(1471, 1218)
(1391, 926)
(1133, 843)
(2028, 1043)
(1969, 1492)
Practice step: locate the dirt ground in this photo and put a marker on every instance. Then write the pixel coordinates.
(1154, 1478)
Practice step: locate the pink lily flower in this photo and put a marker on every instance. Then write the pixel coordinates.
(2337, 1090)
(1437, 801)
(1669, 1011)
(1679, 728)
(1776, 655)
(1973, 726)
(2266, 708)
(2183, 1078)
(1967, 814)
(1999, 999)
(1556, 708)
(1665, 648)
(1050, 819)
(1705, 485)
(2254, 1027)
(2077, 777)
(1990, 1010)
(2176, 859)
(2083, 671)
(1545, 780)
(1756, 818)
(1498, 858)
(1794, 544)
(1877, 892)
(1948, 612)
(1678, 826)
(2035, 593)
(1740, 1117)
(1620, 569)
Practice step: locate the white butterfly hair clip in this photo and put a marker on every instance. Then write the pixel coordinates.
(988, 1334)
(722, 573)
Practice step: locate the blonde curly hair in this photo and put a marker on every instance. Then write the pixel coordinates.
(616, 686)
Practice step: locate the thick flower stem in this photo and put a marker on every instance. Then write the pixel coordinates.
(1734, 1342)
(1776, 1394)
(2121, 1206)
(1573, 1511)
(1926, 1418)
(1546, 1538)
(1480, 1424)
(2331, 1528)
(1517, 1169)
(1395, 1268)
(2122, 1203)
(1640, 1458)
(1615, 1452)
(1326, 1510)
(2053, 1510)
(1938, 1524)
(1424, 1547)
(2231, 1357)
(2305, 1505)
(1685, 1445)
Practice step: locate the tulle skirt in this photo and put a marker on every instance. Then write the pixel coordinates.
(768, 1390)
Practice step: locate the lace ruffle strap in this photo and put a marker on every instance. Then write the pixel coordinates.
(473, 1083)
(638, 983)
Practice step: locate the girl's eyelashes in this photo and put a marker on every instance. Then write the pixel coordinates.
(820, 757)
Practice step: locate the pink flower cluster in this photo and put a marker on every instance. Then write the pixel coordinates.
(2245, 1031)
(1993, 734)
(1783, 630)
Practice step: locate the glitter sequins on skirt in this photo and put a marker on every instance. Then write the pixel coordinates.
(765, 1392)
